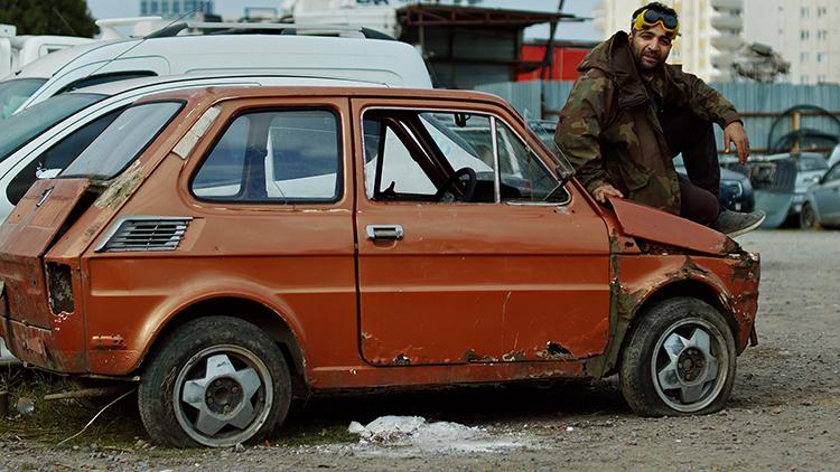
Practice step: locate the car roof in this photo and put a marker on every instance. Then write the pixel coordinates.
(185, 80)
(48, 65)
(215, 94)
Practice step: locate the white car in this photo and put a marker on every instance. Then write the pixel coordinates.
(299, 51)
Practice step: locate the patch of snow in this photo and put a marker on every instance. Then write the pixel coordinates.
(411, 434)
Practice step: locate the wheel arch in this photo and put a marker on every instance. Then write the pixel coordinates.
(692, 286)
(269, 320)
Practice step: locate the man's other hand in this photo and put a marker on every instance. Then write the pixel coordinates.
(601, 193)
(734, 134)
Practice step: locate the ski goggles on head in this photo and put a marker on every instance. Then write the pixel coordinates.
(649, 18)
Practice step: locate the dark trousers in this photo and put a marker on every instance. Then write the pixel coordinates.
(695, 139)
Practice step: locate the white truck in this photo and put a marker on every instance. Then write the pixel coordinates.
(16, 51)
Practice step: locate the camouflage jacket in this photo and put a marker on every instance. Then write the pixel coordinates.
(610, 131)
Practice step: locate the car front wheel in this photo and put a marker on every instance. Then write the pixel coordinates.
(679, 360)
(216, 381)
(808, 218)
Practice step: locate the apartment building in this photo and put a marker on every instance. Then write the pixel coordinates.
(805, 32)
(710, 35)
(175, 8)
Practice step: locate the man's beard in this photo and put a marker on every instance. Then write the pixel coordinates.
(646, 66)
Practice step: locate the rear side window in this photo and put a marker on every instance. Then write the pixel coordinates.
(59, 156)
(122, 141)
(279, 156)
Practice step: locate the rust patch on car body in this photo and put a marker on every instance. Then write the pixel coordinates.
(472, 356)
(120, 188)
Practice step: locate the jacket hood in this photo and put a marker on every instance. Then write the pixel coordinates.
(614, 58)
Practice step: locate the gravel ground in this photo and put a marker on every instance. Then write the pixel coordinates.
(784, 413)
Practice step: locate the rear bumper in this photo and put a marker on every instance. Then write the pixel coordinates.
(38, 347)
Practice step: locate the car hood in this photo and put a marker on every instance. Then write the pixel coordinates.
(653, 225)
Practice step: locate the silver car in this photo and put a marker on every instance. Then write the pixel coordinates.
(822, 201)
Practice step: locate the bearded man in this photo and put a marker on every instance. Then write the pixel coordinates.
(629, 114)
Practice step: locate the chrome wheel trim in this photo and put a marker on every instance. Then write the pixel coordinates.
(222, 395)
(690, 365)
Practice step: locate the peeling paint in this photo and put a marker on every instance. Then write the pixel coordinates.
(555, 352)
(188, 142)
(514, 356)
(472, 356)
(120, 188)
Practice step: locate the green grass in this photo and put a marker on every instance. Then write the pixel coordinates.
(119, 427)
(53, 421)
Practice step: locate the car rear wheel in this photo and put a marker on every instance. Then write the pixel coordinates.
(216, 381)
(808, 218)
(679, 360)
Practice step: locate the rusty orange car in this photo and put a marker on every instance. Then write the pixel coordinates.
(219, 246)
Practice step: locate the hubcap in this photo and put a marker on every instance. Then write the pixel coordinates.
(221, 395)
(689, 365)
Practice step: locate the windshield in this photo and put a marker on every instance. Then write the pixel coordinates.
(31, 122)
(14, 92)
(122, 141)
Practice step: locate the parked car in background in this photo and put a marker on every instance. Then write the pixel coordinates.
(327, 51)
(822, 202)
(219, 243)
(17, 51)
(810, 168)
(780, 182)
(735, 190)
(834, 157)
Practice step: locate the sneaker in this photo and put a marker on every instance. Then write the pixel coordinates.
(734, 224)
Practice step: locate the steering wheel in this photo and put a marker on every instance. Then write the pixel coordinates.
(467, 188)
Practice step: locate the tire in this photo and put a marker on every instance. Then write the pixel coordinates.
(667, 362)
(186, 402)
(808, 218)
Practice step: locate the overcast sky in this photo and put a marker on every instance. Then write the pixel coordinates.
(236, 8)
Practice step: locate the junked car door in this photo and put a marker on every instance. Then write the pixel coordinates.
(469, 250)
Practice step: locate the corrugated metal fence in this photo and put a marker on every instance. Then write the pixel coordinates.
(760, 104)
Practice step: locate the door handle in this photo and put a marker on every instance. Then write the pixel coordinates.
(385, 232)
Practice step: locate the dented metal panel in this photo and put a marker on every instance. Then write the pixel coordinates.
(653, 225)
(24, 239)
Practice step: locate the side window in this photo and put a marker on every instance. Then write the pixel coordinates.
(274, 156)
(58, 157)
(524, 171)
(449, 157)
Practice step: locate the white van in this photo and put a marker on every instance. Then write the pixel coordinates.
(17, 51)
(298, 50)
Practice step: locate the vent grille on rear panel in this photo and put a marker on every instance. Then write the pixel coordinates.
(146, 234)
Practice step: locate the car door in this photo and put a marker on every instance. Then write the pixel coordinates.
(458, 265)
(827, 196)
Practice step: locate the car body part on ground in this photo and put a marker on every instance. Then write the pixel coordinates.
(223, 244)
